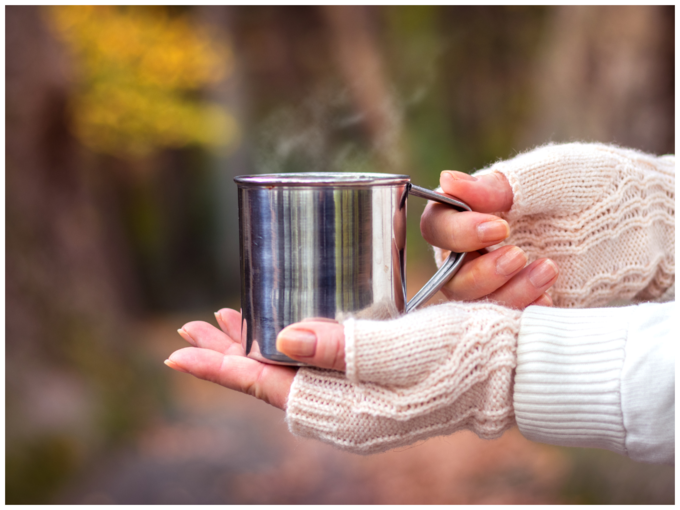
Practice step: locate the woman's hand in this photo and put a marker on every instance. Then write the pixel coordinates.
(603, 214)
(217, 356)
(500, 275)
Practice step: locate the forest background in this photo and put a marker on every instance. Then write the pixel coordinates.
(124, 129)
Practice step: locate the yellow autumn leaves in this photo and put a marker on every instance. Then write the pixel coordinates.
(141, 75)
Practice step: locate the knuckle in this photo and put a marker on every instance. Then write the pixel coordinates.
(467, 284)
(254, 386)
(426, 223)
(448, 293)
(437, 222)
(338, 361)
(216, 376)
(331, 351)
(497, 177)
(471, 283)
(501, 183)
(476, 277)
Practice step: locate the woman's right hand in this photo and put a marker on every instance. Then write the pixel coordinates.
(500, 275)
(603, 214)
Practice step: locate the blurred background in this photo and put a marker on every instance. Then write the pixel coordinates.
(124, 129)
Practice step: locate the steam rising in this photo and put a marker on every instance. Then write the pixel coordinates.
(326, 133)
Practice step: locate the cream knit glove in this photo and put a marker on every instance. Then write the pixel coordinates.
(604, 214)
(429, 373)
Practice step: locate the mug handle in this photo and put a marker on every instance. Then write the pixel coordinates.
(452, 264)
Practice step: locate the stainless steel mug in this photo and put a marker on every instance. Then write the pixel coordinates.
(325, 245)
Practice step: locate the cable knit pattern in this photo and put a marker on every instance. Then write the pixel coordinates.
(432, 372)
(604, 214)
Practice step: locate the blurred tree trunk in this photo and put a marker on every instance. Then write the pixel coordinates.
(65, 319)
(361, 66)
(228, 162)
(58, 258)
(58, 264)
(607, 75)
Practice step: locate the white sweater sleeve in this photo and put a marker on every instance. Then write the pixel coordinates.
(602, 378)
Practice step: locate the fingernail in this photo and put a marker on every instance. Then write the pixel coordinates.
(218, 318)
(511, 261)
(175, 366)
(543, 273)
(186, 336)
(456, 175)
(296, 342)
(544, 300)
(493, 231)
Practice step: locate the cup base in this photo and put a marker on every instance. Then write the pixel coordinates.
(287, 362)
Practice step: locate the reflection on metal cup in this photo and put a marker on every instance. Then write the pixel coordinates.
(324, 245)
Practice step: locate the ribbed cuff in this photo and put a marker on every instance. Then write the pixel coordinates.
(316, 399)
(568, 378)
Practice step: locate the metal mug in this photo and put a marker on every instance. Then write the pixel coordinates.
(325, 245)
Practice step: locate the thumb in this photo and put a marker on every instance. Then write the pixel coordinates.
(318, 341)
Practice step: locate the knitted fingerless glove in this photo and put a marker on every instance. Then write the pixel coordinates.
(604, 214)
(429, 373)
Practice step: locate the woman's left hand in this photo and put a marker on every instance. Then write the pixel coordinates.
(217, 356)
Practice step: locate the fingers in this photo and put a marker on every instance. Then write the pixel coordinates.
(270, 383)
(204, 335)
(487, 193)
(482, 275)
(230, 322)
(544, 300)
(318, 342)
(468, 231)
(218, 356)
(447, 228)
(528, 286)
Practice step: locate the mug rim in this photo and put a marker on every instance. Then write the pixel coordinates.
(322, 179)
